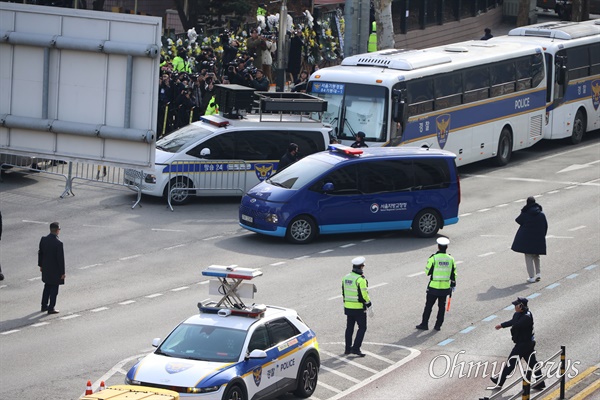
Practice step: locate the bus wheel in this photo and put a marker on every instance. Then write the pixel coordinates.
(578, 127)
(427, 223)
(179, 190)
(301, 230)
(504, 148)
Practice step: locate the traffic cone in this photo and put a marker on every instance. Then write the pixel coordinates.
(88, 389)
(102, 385)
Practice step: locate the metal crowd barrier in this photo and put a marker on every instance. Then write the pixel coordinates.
(92, 174)
(526, 390)
(213, 175)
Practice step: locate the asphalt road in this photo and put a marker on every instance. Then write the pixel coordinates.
(133, 274)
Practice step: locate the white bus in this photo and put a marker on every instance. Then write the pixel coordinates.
(572, 52)
(477, 99)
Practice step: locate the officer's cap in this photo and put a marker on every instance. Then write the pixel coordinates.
(520, 300)
(358, 261)
(443, 241)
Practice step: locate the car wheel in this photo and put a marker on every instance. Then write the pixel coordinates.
(504, 148)
(308, 375)
(579, 125)
(235, 392)
(301, 230)
(426, 224)
(181, 194)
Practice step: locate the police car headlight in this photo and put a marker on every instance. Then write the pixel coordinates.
(209, 389)
(272, 218)
(149, 178)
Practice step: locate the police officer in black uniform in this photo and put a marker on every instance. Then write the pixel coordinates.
(360, 140)
(521, 330)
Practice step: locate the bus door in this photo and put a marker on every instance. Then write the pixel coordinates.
(557, 115)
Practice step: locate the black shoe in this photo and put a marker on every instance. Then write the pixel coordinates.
(422, 327)
(53, 312)
(1, 276)
(540, 386)
(437, 328)
(44, 309)
(346, 352)
(358, 353)
(495, 380)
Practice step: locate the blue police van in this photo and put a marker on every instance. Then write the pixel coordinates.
(356, 190)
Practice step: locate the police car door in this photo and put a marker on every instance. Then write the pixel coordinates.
(261, 379)
(285, 337)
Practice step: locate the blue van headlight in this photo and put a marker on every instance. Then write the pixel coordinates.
(272, 218)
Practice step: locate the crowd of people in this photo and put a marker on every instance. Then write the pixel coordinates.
(191, 67)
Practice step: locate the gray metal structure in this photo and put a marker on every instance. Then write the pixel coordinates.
(78, 84)
(356, 36)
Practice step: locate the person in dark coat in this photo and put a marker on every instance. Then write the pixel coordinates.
(360, 140)
(290, 157)
(295, 55)
(522, 333)
(531, 237)
(51, 260)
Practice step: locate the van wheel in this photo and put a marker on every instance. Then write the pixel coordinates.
(426, 224)
(180, 195)
(308, 376)
(301, 230)
(579, 125)
(504, 148)
(234, 393)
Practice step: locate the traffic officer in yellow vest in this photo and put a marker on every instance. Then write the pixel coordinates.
(356, 301)
(372, 45)
(441, 270)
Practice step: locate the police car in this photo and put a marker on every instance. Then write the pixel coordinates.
(231, 351)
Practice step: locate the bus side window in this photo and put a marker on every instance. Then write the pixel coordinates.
(420, 96)
(578, 62)
(448, 90)
(595, 59)
(524, 73)
(477, 82)
(502, 78)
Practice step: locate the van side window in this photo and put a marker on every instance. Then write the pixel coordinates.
(386, 176)
(281, 330)
(260, 145)
(343, 179)
(308, 142)
(431, 174)
(221, 147)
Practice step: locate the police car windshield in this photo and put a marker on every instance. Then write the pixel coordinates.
(204, 343)
(300, 173)
(182, 138)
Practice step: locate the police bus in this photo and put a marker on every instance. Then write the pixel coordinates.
(572, 53)
(477, 99)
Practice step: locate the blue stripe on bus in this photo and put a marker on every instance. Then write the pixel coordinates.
(476, 114)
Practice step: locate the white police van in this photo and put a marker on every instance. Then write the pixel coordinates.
(233, 351)
(229, 153)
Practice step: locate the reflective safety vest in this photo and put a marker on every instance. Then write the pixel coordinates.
(355, 292)
(261, 11)
(372, 45)
(212, 107)
(442, 265)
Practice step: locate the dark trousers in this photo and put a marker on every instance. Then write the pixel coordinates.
(361, 320)
(521, 350)
(49, 296)
(431, 299)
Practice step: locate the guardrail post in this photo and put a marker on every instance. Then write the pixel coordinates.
(69, 184)
(527, 385)
(563, 352)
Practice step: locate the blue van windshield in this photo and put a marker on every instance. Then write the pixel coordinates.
(299, 174)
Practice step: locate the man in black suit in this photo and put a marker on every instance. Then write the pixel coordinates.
(51, 260)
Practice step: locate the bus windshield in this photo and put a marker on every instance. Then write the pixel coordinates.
(352, 108)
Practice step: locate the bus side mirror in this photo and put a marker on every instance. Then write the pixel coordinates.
(563, 76)
(399, 108)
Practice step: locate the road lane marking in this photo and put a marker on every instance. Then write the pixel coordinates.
(166, 230)
(277, 263)
(468, 329)
(130, 257)
(558, 237)
(502, 205)
(326, 251)
(340, 374)
(213, 237)
(35, 222)
(553, 191)
(347, 245)
(415, 274)
(377, 356)
(126, 302)
(445, 342)
(174, 247)
(590, 267)
(576, 228)
(484, 210)
(99, 309)
(572, 276)
(40, 324)
(465, 215)
(70, 316)
(491, 317)
(486, 254)
(180, 288)
(367, 240)
(9, 332)
(151, 296)
(34, 279)
(552, 286)
(533, 296)
(331, 388)
(348, 361)
(301, 257)
(90, 266)
(509, 308)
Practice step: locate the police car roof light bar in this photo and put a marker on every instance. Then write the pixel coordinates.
(340, 148)
(231, 300)
(214, 120)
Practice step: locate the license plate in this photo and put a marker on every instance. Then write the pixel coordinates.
(247, 218)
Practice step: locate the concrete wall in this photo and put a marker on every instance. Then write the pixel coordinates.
(451, 32)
